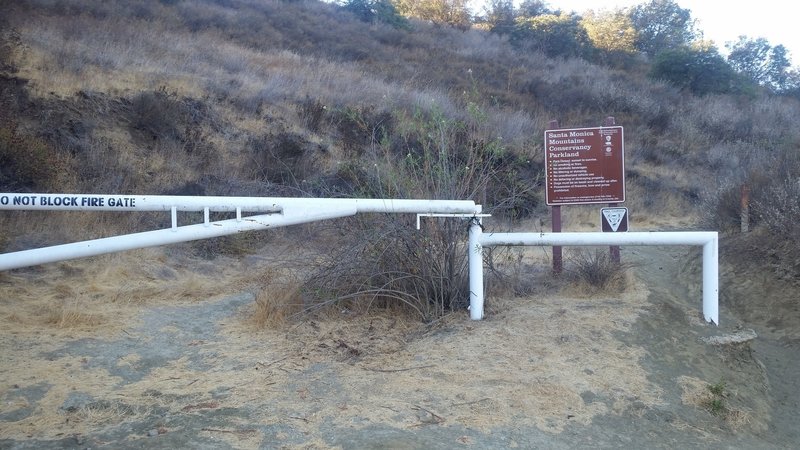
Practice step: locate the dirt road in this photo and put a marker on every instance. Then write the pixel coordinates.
(556, 369)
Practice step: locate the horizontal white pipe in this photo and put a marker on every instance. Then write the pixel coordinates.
(101, 202)
(186, 233)
(593, 238)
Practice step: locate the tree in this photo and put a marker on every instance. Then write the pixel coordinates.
(758, 60)
(533, 8)
(500, 16)
(447, 12)
(699, 70)
(375, 10)
(554, 35)
(611, 31)
(662, 25)
(791, 86)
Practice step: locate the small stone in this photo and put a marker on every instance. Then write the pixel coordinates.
(152, 433)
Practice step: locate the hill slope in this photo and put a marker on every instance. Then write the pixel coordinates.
(298, 98)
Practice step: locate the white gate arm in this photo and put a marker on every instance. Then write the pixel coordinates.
(272, 212)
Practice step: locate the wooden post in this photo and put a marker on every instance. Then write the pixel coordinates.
(558, 259)
(614, 249)
(745, 212)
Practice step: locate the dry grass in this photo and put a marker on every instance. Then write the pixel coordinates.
(714, 398)
(278, 299)
(71, 314)
(101, 295)
(102, 413)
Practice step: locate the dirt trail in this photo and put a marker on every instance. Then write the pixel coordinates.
(554, 370)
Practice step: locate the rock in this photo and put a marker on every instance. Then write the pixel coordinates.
(739, 337)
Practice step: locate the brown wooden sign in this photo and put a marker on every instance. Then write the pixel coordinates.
(584, 166)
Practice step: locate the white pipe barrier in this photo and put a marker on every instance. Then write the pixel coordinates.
(282, 211)
(96, 202)
(154, 238)
(707, 239)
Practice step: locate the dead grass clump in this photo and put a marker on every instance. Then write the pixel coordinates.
(71, 314)
(714, 398)
(278, 299)
(596, 272)
(101, 412)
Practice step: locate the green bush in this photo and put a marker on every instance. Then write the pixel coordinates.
(554, 35)
(701, 71)
(376, 11)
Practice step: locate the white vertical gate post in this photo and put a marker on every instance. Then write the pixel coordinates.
(711, 280)
(475, 252)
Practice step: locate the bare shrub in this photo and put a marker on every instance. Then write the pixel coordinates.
(312, 112)
(596, 270)
(28, 163)
(387, 262)
(284, 158)
(769, 178)
(158, 114)
(392, 264)
(779, 209)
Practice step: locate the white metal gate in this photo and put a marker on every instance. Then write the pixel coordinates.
(273, 212)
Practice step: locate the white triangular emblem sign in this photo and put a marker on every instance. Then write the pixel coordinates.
(614, 216)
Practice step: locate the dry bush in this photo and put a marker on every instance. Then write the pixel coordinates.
(386, 261)
(28, 163)
(596, 271)
(770, 177)
(391, 264)
(158, 114)
(279, 298)
(779, 209)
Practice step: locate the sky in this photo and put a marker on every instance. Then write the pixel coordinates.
(721, 21)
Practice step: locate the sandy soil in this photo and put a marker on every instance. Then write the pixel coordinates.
(161, 366)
